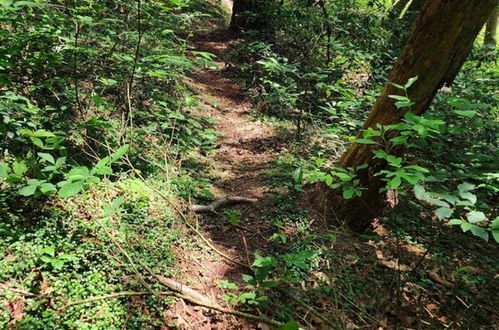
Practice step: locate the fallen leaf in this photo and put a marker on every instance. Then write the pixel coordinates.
(16, 309)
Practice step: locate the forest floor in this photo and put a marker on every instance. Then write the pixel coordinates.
(245, 151)
(362, 275)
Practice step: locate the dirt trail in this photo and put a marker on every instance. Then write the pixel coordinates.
(245, 149)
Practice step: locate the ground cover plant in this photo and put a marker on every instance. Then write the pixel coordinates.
(199, 164)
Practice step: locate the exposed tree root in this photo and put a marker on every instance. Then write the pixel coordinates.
(190, 299)
(223, 202)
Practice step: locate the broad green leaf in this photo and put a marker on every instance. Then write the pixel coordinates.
(444, 212)
(348, 193)
(343, 176)
(28, 190)
(47, 157)
(395, 182)
(102, 170)
(399, 140)
(495, 224)
(419, 191)
(57, 263)
(495, 234)
(480, 232)
(50, 250)
(476, 216)
(4, 170)
(78, 173)
(19, 168)
(394, 161)
(465, 186)
(469, 196)
(70, 189)
(47, 187)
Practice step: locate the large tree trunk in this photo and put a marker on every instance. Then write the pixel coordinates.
(491, 29)
(439, 43)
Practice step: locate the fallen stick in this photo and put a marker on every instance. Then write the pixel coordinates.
(224, 202)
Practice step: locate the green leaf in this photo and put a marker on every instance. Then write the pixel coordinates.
(495, 234)
(465, 226)
(47, 157)
(119, 153)
(343, 176)
(246, 296)
(397, 86)
(57, 263)
(455, 222)
(444, 212)
(395, 182)
(476, 216)
(28, 190)
(411, 81)
(70, 188)
(348, 193)
(19, 168)
(102, 170)
(465, 186)
(465, 113)
(4, 170)
(495, 224)
(50, 250)
(400, 98)
(394, 161)
(365, 141)
(419, 191)
(404, 104)
(469, 196)
(290, 325)
(78, 173)
(47, 187)
(480, 232)
(227, 285)
(399, 140)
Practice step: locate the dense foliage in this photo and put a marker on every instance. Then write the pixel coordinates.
(103, 136)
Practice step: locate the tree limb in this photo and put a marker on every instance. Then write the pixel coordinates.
(223, 202)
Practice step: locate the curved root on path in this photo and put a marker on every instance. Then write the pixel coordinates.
(223, 202)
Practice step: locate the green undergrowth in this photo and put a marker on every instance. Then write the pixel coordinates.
(95, 123)
(87, 247)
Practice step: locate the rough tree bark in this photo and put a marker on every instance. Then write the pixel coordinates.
(439, 43)
(490, 38)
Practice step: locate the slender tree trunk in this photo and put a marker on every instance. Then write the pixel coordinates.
(416, 6)
(439, 43)
(491, 29)
(397, 8)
